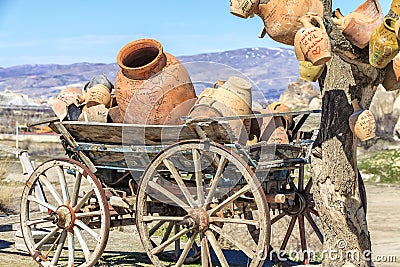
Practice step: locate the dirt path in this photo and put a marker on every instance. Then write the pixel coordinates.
(124, 248)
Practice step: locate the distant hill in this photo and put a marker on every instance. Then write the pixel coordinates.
(271, 69)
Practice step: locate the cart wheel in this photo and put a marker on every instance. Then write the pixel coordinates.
(65, 219)
(194, 207)
(301, 212)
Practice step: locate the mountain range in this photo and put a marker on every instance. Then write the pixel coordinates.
(269, 69)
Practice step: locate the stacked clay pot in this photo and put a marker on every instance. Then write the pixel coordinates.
(358, 25)
(362, 122)
(243, 8)
(383, 44)
(311, 42)
(152, 87)
(309, 72)
(281, 18)
(230, 98)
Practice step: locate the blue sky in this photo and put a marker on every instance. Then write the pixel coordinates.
(65, 32)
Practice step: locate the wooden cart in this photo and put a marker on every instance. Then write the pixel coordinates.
(192, 191)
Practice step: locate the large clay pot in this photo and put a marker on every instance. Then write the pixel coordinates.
(151, 84)
(243, 8)
(362, 122)
(313, 41)
(358, 25)
(269, 129)
(281, 17)
(66, 98)
(309, 72)
(231, 98)
(383, 45)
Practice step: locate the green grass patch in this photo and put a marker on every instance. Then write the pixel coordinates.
(381, 166)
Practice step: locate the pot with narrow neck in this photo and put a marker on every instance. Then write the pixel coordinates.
(313, 41)
(151, 84)
(383, 45)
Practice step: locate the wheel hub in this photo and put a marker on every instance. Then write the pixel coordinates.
(198, 219)
(299, 204)
(65, 217)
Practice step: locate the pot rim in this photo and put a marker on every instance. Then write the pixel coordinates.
(135, 46)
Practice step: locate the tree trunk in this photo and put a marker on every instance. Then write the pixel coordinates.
(334, 164)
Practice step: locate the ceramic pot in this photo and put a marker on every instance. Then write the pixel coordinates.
(281, 17)
(67, 97)
(313, 41)
(383, 45)
(362, 122)
(243, 8)
(97, 95)
(278, 107)
(395, 6)
(269, 129)
(358, 25)
(231, 98)
(151, 83)
(396, 67)
(309, 72)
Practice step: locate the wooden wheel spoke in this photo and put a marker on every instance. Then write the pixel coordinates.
(313, 211)
(217, 177)
(180, 182)
(300, 183)
(75, 193)
(236, 221)
(167, 232)
(82, 242)
(288, 233)
(314, 226)
(217, 249)
(205, 252)
(249, 253)
(59, 248)
(230, 199)
(51, 188)
(308, 186)
(168, 194)
(87, 229)
(186, 250)
(41, 203)
(149, 218)
(303, 239)
(37, 221)
(63, 183)
(156, 227)
(163, 245)
(83, 200)
(278, 217)
(71, 249)
(46, 238)
(198, 176)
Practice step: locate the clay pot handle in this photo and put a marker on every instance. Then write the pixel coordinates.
(338, 14)
(320, 22)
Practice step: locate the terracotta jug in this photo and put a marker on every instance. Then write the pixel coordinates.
(362, 122)
(313, 41)
(309, 72)
(269, 129)
(243, 8)
(383, 45)
(281, 17)
(67, 97)
(395, 6)
(230, 98)
(396, 67)
(97, 95)
(358, 25)
(151, 83)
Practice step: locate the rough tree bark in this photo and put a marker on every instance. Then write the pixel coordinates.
(348, 76)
